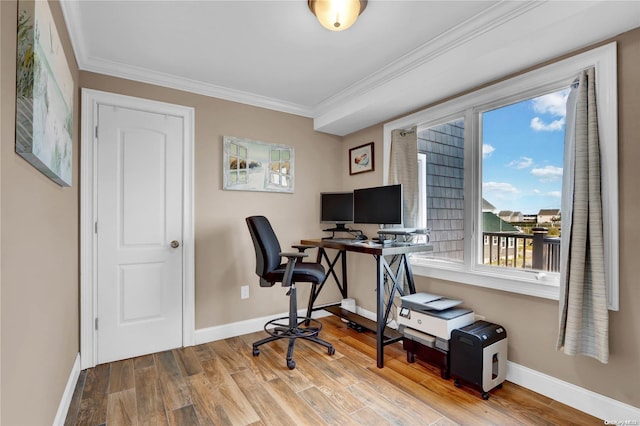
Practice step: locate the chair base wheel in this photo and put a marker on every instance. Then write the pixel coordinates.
(331, 351)
(291, 364)
(485, 395)
(256, 351)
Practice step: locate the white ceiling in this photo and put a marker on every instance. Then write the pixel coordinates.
(398, 56)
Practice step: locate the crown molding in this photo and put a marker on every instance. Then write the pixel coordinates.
(491, 18)
(436, 69)
(144, 75)
(462, 33)
(71, 13)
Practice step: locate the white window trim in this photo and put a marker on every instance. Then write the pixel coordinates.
(422, 199)
(551, 77)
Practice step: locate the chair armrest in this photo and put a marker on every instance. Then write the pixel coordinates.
(302, 247)
(291, 263)
(293, 255)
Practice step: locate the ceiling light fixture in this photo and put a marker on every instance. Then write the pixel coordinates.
(337, 15)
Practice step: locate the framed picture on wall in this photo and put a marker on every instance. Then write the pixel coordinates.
(44, 94)
(250, 165)
(361, 159)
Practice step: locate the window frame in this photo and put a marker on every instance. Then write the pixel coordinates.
(283, 178)
(527, 85)
(237, 171)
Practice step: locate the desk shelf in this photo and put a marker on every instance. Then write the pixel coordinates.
(390, 334)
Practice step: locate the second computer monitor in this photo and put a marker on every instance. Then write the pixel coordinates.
(381, 205)
(336, 208)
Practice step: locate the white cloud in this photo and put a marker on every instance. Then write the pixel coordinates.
(540, 126)
(547, 173)
(521, 163)
(499, 187)
(556, 194)
(553, 103)
(487, 150)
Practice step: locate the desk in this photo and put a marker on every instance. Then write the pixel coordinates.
(398, 252)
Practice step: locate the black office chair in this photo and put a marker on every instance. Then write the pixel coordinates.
(270, 270)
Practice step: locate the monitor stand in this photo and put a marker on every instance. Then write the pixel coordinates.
(339, 228)
(357, 234)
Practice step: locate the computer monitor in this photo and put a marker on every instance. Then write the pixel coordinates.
(380, 205)
(336, 208)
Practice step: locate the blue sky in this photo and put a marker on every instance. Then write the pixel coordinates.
(522, 152)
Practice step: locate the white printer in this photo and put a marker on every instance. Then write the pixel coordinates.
(432, 315)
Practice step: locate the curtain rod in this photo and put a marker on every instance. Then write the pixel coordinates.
(406, 132)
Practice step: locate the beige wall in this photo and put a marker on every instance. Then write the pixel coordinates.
(39, 226)
(225, 259)
(531, 322)
(39, 223)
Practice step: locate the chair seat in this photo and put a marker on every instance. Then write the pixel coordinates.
(302, 272)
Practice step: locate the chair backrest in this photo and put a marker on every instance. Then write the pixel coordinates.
(266, 246)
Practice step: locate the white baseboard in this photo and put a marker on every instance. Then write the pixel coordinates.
(592, 403)
(600, 406)
(211, 334)
(63, 408)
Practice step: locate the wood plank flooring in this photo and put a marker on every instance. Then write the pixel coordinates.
(221, 383)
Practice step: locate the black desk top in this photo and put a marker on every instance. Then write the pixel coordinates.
(369, 247)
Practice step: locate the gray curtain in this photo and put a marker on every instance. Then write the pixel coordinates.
(584, 318)
(404, 169)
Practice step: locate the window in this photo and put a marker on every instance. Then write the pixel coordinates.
(442, 148)
(469, 187)
(522, 165)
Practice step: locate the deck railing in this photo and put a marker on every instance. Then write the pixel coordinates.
(517, 250)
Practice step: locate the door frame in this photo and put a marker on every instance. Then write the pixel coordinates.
(88, 214)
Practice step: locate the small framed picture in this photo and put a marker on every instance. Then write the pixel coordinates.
(361, 159)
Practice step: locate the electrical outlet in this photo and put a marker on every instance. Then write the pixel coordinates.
(244, 292)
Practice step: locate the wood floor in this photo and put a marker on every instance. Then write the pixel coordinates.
(221, 383)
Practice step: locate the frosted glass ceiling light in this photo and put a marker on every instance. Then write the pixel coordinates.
(337, 15)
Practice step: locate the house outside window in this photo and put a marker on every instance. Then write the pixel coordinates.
(460, 253)
(442, 147)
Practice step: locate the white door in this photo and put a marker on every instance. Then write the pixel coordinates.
(139, 233)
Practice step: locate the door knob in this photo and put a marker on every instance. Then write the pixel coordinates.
(175, 244)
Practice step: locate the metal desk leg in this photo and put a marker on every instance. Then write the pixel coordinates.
(344, 289)
(380, 323)
(331, 272)
(382, 314)
(341, 283)
(409, 273)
